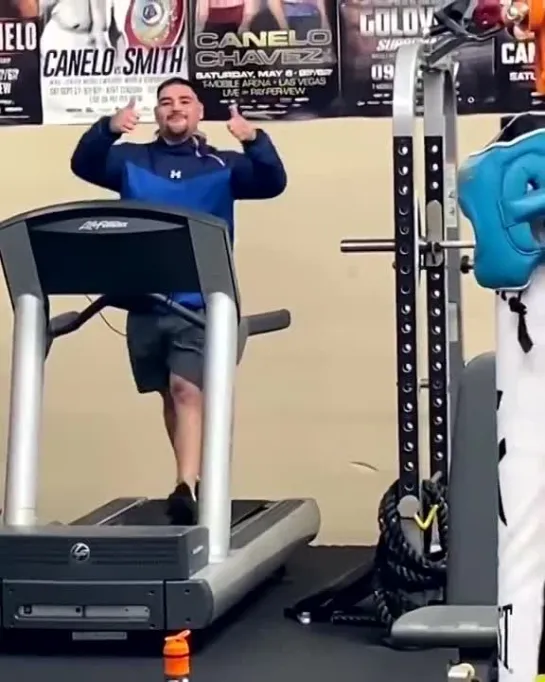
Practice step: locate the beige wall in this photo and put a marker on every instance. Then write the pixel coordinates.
(316, 405)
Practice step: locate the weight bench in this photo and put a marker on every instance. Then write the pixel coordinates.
(448, 626)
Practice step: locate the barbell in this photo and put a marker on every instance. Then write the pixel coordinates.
(388, 245)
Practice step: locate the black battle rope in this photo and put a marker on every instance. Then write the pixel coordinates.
(400, 573)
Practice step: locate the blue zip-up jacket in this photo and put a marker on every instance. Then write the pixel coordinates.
(190, 175)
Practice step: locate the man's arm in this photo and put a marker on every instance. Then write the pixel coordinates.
(97, 160)
(258, 173)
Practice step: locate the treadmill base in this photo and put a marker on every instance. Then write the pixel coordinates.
(260, 545)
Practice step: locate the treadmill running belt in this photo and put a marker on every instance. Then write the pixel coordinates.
(153, 513)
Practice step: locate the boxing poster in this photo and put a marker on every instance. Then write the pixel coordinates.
(20, 101)
(371, 31)
(515, 80)
(97, 54)
(277, 59)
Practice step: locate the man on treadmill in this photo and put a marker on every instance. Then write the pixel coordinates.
(178, 168)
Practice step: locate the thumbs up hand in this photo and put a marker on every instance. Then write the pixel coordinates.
(239, 127)
(126, 119)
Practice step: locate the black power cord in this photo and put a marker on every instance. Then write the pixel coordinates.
(107, 322)
(399, 579)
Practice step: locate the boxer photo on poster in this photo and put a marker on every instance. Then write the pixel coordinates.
(113, 24)
(276, 59)
(20, 100)
(98, 54)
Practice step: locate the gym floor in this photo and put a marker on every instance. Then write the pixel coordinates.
(257, 645)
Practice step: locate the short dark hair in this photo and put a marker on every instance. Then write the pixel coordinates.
(177, 80)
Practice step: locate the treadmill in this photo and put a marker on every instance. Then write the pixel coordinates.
(121, 569)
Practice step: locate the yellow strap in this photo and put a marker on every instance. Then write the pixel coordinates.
(425, 524)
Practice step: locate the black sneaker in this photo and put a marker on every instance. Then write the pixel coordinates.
(182, 506)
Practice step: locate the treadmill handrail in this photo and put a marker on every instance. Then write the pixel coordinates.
(266, 323)
(259, 323)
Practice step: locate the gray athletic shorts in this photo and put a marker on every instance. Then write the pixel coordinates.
(160, 345)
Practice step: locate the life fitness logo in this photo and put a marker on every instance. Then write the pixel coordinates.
(97, 225)
(80, 553)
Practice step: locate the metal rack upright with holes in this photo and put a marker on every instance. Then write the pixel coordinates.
(456, 622)
(442, 266)
(410, 504)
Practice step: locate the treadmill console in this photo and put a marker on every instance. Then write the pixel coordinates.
(116, 247)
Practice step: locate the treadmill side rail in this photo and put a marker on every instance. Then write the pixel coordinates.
(270, 538)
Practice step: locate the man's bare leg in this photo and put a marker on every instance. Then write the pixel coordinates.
(183, 407)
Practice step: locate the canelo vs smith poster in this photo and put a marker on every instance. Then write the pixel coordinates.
(97, 54)
(70, 61)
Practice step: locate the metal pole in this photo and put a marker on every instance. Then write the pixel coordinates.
(27, 375)
(407, 265)
(438, 86)
(388, 245)
(220, 359)
(456, 357)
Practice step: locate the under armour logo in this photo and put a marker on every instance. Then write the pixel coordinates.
(175, 174)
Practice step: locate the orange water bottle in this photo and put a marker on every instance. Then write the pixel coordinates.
(176, 659)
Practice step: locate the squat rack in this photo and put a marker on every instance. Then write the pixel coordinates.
(437, 253)
(424, 82)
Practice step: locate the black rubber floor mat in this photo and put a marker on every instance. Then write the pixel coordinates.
(257, 644)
